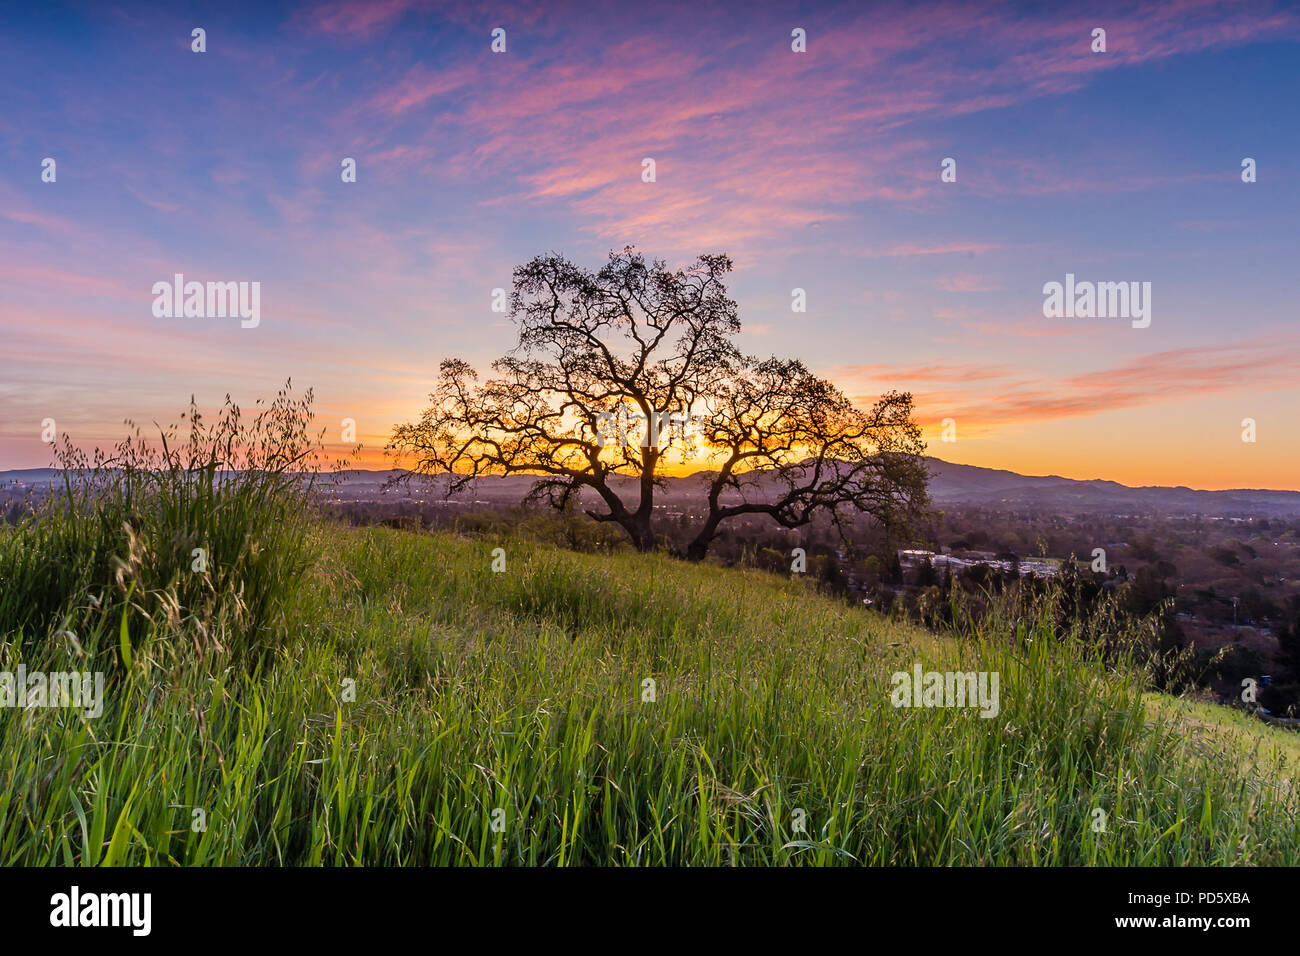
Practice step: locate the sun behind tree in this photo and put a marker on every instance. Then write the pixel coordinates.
(621, 371)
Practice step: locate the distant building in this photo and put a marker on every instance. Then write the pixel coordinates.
(912, 559)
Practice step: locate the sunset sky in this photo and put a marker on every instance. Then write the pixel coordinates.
(816, 170)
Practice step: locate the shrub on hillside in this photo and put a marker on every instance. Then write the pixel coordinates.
(199, 537)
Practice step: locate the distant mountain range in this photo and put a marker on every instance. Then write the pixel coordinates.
(951, 484)
(993, 487)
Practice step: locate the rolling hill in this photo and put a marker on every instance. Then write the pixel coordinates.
(951, 484)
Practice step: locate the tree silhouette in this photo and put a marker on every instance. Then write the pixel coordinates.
(619, 372)
(791, 445)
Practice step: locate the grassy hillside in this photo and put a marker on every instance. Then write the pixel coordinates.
(522, 691)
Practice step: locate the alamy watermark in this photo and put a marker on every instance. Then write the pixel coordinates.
(212, 300)
(77, 689)
(946, 689)
(1098, 300)
(129, 910)
(620, 427)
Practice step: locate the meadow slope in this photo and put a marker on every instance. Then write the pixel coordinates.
(414, 698)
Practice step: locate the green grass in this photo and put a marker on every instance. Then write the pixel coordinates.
(121, 545)
(326, 695)
(522, 691)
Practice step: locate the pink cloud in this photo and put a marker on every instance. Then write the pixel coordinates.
(966, 282)
(988, 395)
(359, 19)
(758, 150)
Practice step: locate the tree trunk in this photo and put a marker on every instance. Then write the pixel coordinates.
(638, 529)
(699, 547)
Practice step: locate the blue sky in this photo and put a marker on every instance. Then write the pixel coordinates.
(816, 170)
